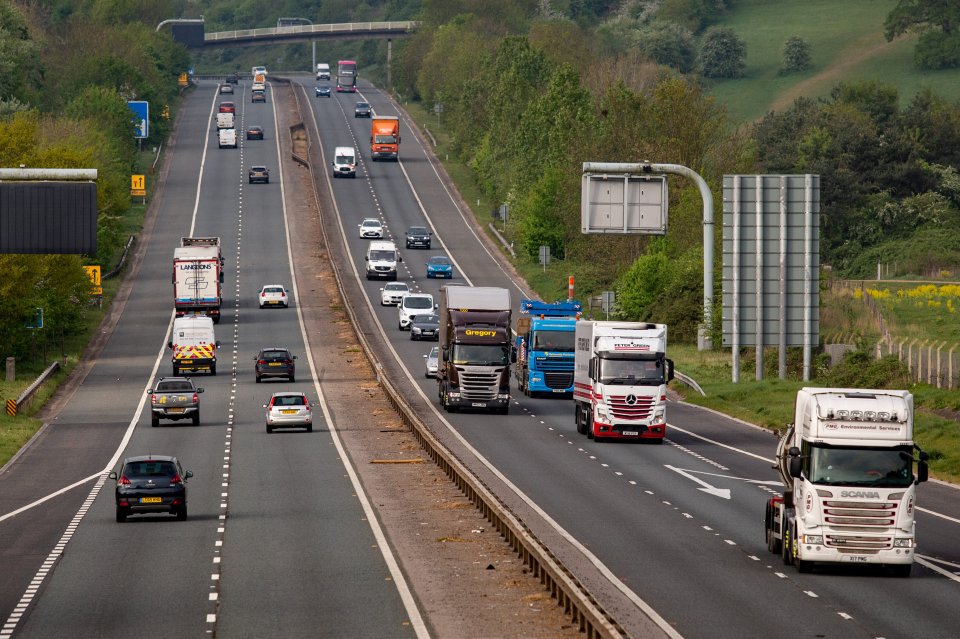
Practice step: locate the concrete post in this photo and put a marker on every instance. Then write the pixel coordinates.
(11, 369)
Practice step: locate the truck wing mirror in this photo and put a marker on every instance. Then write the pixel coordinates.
(669, 369)
(199, 390)
(443, 353)
(513, 354)
(217, 343)
(592, 369)
(796, 467)
(366, 258)
(923, 472)
(170, 344)
(221, 277)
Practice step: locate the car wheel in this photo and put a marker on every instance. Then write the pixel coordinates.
(309, 428)
(269, 428)
(428, 246)
(121, 515)
(267, 181)
(182, 513)
(292, 379)
(213, 369)
(196, 418)
(258, 379)
(154, 421)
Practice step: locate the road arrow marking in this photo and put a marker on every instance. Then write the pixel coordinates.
(707, 488)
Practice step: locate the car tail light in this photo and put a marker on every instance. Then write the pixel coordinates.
(123, 481)
(153, 399)
(261, 362)
(262, 294)
(175, 480)
(196, 398)
(283, 294)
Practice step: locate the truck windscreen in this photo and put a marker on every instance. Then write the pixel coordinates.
(555, 341)
(631, 372)
(480, 354)
(385, 139)
(849, 466)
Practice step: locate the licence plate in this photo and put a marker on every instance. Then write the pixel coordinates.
(478, 404)
(630, 433)
(274, 363)
(186, 361)
(289, 412)
(151, 500)
(175, 410)
(855, 558)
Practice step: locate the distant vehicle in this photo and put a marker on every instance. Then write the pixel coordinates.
(275, 362)
(194, 344)
(362, 110)
(323, 71)
(233, 78)
(273, 295)
(323, 91)
(226, 88)
(290, 409)
(346, 76)
(439, 266)
(382, 259)
(418, 237)
(344, 162)
(258, 95)
(255, 71)
(431, 362)
(413, 304)
(392, 293)
(426, 326)
(385, 138)
(259, 174)
(370, 228)
(174, 398)
(225, 121)
(227, 107)
(151, 484)
(227, 138)
(255, 133)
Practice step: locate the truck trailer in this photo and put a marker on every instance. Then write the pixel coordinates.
(475, 348)
(385, 137)
(620, 380)
(544, 345)
(197, 277)
(849, 493)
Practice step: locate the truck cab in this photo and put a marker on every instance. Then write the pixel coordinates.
(385, 137)
(545, 342)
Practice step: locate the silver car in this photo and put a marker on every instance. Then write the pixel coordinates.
(432, 362)
(289, 410)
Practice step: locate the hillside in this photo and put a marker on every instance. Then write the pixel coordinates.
(847, 46)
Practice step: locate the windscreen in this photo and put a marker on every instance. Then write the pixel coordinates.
(555, 341)
(344, 159)
(380, 256)
(417, 302)
(480, 354)
(850, 466)
(632, 372)
(385, 139)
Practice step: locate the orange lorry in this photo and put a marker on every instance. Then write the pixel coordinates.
(385, 138)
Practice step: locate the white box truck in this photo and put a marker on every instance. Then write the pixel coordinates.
(198, 276)
(323, 71)
(194, 345)
(849, 493)
(620, 380)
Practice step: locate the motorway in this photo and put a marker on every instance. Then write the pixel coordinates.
(648, 530)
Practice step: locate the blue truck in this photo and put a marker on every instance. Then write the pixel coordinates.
(545, 346)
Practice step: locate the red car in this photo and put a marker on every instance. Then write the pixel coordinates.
(228, 107)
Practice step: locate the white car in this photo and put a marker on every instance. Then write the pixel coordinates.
(432, 362)
(392, 293)
(414, 304)
(370, 227)
(273, 295)
(226, 88)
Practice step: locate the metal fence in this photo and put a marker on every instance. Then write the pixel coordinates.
(929, 361)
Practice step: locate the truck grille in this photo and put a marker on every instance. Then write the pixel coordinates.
(558, 380)
(480, 385)
(640, 408)
(857, 517)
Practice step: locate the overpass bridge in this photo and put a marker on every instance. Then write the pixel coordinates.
(191, 33)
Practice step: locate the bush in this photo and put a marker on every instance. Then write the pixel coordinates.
(937, 50)
(796, 55)
(669, 45)
(722, 54)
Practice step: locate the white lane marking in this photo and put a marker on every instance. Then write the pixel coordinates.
(584, 551)
(940, 515)
(14, 513)
(403, 588)
(723, 493)
(749, 481)
(845, 615)
(811, 593)
(946, 573)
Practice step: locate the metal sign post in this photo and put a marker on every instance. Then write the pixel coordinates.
(544, 256)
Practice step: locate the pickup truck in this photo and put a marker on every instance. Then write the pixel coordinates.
(174, 398)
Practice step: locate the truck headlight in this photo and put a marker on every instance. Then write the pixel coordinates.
(813, 540)
(603, 411)
(904, 542)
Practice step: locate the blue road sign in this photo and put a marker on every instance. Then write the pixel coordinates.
(141, 118)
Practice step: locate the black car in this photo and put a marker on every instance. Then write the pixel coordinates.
(151, 484)
(275, 362)
(362, 110)
(323, 91)
(425, 327)
(418, 237)
(255, 133)
(233, 78)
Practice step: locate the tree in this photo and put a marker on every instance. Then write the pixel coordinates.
(668, 44)
(796, 55)
(722, 54)
(937, 21)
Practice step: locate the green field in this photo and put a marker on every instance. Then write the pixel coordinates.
(849, 45)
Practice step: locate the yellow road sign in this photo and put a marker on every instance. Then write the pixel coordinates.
(138, 185)
(183, 80)
(93, 272)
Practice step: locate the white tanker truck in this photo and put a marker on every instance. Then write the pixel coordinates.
(849, 489)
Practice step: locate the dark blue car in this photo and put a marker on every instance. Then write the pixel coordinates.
(323, 91)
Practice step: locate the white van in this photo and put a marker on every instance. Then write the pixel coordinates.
(323, 71)
(382, 259)
(194, 344)
(255, 71)
(225, 120)
(344, 162)
(228, 138)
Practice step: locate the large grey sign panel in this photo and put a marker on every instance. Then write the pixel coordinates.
(771, 259)
(48, 217)
(623, 203)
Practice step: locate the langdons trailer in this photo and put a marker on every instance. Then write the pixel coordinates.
(198, 276)
(620, 380)
(849, 493)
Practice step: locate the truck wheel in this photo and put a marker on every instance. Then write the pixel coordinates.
(196, 418)
(589, 427)
(154, 421)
